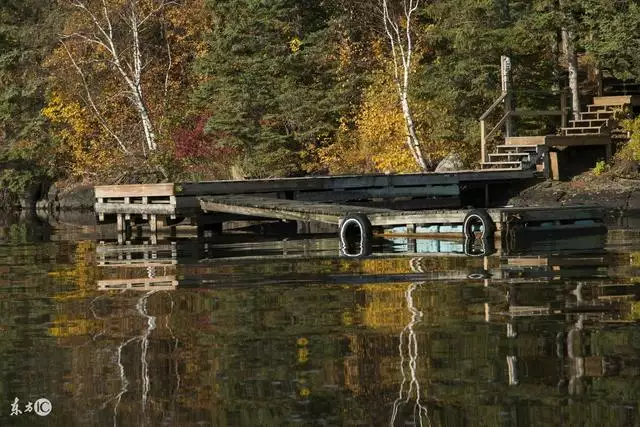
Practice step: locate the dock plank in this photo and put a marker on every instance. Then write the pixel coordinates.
(439, 216)
(536, 214)
(134, 190)
(351, 182)
(130, 208)
(282, 208)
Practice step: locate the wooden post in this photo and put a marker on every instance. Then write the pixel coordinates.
(608, 152)
(598, 81)
(153, 228)
(485, 266)
(483, 141)
(563, 108)
(555, 170)
(505, 77)
(119, 223)
(412, 246)
(153, 223)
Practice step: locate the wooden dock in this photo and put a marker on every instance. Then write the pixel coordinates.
(169, 201)
(356, 204)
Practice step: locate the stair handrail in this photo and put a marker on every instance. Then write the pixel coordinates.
(483, 130)
(494, 105)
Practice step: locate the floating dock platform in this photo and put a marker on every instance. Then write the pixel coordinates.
(359, 205)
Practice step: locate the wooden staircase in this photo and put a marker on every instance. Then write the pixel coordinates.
(598, 119)
(596, 126)
(513, 155)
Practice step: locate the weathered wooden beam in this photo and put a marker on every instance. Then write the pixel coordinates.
(134, 190)
(553, 214)
(352, 182)
(282, 209)
(121, 208)
(385, 193)
(430, 217)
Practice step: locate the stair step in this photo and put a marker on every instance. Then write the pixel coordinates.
(588, 123)
(524, 140)
(582, 131)
(502, 165)
(594, 108)
(506, 148)
(598, 115)
(613, 100)
(498, 157)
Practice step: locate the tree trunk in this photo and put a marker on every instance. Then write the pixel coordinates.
(572, 67)
(412, 138)
(401, 53)
(147, 124)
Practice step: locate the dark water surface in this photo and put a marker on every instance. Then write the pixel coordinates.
(244, 332)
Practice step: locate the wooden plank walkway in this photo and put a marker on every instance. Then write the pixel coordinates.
(333, 213)
(283, 209)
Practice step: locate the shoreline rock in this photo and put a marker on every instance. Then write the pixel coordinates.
(610, 193)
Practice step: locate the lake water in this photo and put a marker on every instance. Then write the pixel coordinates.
(249, 331)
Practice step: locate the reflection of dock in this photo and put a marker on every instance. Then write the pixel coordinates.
(144, 255)
(165, 283)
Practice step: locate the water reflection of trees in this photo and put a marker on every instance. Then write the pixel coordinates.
(239, 361)
(409, 345)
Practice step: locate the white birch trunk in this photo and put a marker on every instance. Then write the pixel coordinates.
(401, 47)
(572, 67)
(412, 138)
(129, 67)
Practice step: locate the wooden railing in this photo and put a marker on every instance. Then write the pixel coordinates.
(509, 113)
(484, 136)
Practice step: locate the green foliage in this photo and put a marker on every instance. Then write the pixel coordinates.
(288, 87)
(27, 33)
(275, 84)
(631, 150)
(600, 168)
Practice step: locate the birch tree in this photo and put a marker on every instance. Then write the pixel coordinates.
(397, 25)
(569, 55)
(114, 33)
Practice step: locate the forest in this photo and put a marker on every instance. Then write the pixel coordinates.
(125, 91)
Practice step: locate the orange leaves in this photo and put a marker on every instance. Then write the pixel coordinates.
(381, 128)
(377, 141)
(80, 141)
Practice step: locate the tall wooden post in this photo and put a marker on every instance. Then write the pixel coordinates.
(483, 141)
(563, 108)
(505, 78)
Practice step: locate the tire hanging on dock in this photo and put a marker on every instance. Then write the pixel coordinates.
(348, 241)
(478, 247)
(482, 217)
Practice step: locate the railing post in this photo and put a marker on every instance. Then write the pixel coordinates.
(483, 141)
(505, 77)
(563, 108)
